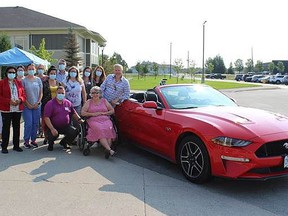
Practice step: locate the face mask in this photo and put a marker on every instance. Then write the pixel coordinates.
(60, 96)
(11, 75)
(40, 71)
(62, 67)
(52, 76)
(98, 73)
(31, 72)
(73, 74)
(87, 74)
(20, 73)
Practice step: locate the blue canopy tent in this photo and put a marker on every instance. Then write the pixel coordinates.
(16, 57)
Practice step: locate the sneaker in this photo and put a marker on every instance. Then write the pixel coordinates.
(34, 144)
(18, 149)
(27, 145)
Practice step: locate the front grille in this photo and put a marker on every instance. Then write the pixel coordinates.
(277, 148)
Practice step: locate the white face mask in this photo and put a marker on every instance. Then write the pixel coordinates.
(98, 73)
(87, 73)
(62, 67)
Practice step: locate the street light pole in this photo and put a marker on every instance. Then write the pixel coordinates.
(170, 59)
(202, 78)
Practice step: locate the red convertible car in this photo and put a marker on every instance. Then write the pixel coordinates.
(206, 132)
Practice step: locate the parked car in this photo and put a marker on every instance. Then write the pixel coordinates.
(238, 77)
(285, 80)
(265, 79)
(277, 79)
(205, 132)
(256, 78)
(216, 76)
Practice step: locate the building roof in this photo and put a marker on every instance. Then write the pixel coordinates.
(21, 18)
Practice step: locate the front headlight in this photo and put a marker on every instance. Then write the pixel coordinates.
(230, 142)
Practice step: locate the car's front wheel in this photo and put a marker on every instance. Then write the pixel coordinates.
(194, 160)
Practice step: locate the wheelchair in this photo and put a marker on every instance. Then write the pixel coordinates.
(85, 145)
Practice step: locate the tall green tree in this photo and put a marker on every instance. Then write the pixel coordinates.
(271, 67)
(249, 65)
(5, 43)
(230, 69)
(218, 65)
(42, 52)
(155, 68)
(178, 66)
(72, 50)
(139, 69)
(239, 65)
(280, 67)
(259, 66)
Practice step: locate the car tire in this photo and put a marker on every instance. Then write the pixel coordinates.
(194, 160)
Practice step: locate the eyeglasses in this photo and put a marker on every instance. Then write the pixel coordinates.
(98, 92)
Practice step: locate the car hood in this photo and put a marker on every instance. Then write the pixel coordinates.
(255, 121)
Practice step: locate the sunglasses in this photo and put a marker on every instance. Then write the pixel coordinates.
(98, 92)
(11, 72)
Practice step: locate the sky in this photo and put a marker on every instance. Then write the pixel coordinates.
(145, 30)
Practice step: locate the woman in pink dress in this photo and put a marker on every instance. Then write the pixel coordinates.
(100, 128)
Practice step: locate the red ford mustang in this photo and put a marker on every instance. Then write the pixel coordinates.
(206, 132)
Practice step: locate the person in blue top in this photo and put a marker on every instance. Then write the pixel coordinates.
(116, 87)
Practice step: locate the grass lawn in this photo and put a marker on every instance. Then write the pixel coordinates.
(147, 82)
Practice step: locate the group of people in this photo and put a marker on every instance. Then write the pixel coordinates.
(55, 102)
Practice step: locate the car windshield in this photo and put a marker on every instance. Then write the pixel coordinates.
(194, 96)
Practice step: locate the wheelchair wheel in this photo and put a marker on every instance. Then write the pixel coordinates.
(86, 152)
(81, 136)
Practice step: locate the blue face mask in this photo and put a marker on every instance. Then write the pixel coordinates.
(20, 73)
(11, 75)
(87, 73)
(60, 96)
(40, 71)
(52, 76)
(73, 74)
(31, 72)
(62, 67)
(98, 73)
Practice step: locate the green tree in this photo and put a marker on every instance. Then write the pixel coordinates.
(239, 65)
(249, 65)
(145, 70)
(139, 69)
(280, 67)
(271, 67)
(72, 49)
(219, 66)
(5, 43)
(210, 67)
(178, 66)
(155, 69)
(259, 66)
(42, 52)
(191, 70)
(230, 69)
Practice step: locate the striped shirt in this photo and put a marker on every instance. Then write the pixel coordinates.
(113, 89)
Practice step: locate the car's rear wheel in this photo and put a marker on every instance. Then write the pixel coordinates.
(194, 160)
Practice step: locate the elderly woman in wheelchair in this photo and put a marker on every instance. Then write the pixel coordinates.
(98, 111)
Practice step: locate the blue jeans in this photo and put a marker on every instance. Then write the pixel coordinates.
(31, 122)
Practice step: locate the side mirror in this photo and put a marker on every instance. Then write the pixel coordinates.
(151, 105)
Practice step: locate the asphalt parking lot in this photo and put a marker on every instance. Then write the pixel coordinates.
(38, 182)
